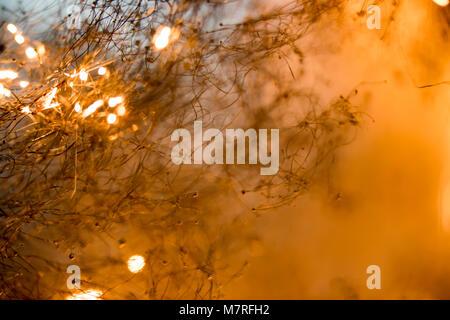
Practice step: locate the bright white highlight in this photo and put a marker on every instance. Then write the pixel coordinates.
(442, 3)
(11, 28)
(102, 71)
(111, 118)
(31, 53)
(114, 101)
(136, 263)
(77, 107)
(161, 39)
(121, 110)
(92, 108)
(8, 74)
(19, 38)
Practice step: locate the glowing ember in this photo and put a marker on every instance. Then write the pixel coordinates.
(136, 263)
(31, 53)
(114, 101)
(111, 118)
(11, 28)
(90, 294)
(161, 39)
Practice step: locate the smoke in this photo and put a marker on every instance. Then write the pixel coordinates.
(379, 202)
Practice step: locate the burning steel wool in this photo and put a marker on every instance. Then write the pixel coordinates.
(135, 149)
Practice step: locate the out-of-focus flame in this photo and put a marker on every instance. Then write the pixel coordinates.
(442, 3)
(90, 294)
(136, 263)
